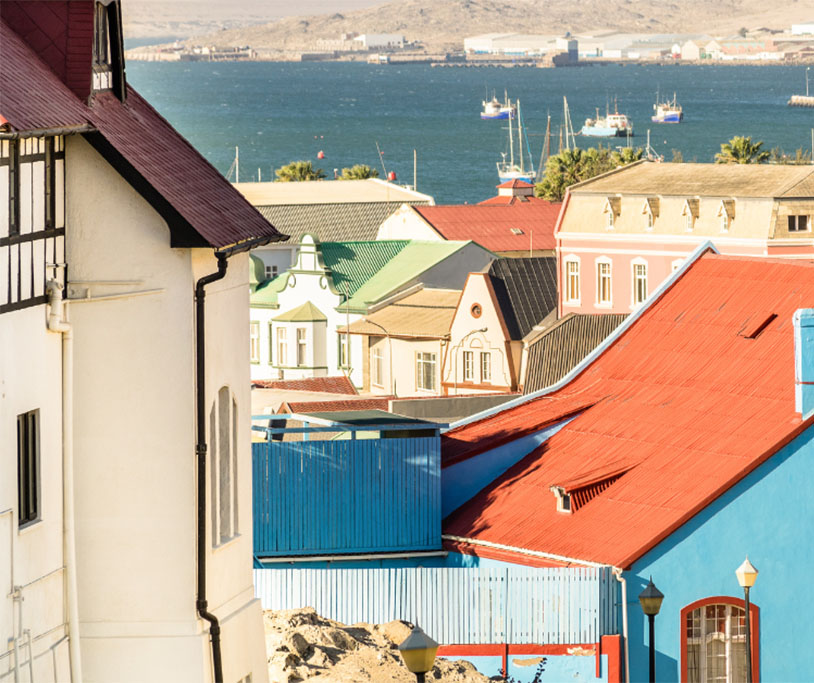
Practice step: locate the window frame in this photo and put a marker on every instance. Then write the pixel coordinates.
(468, 365)
(569, 261)
(377, 365)
(797, 218)
(599, 262)
(254, 341)
(636, 263)
(282, 345)
(420, 362)
(301, 336)
(29, 479)
(754, 628)
(223, 447)
(485, 370)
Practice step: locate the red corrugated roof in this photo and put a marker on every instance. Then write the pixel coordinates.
(328, 385)
(514, 184)
(198, 203)
(335, 406)
(682, 403)
(491, 225)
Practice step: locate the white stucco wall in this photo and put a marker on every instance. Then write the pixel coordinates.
(135, 439)
(406, 224)
(31, 557)
(400, 377)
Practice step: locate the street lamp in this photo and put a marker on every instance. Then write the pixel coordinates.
(747, 574)
(418, 652)
(650, 599)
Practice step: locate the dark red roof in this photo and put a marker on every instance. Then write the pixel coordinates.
(328, 385)
(492, 226)
(679, 408)
(200, 206)
(335, 406)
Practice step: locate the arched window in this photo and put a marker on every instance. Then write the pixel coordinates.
(713, 641)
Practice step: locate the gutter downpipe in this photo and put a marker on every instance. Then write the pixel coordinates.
(201, 604)
(57, 323)
(200, 453)
(617, 572)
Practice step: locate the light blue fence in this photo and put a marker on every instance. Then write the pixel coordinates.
(460, 606)
(346, 496)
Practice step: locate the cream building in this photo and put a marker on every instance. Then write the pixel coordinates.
(621, 234)
(125, 471)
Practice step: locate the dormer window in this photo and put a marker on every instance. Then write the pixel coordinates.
(726, 213)
(563, 499)
(613, 207)
(102, 72)
(690, 213)
(651, 210)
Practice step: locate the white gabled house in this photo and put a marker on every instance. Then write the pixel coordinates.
(125, 474)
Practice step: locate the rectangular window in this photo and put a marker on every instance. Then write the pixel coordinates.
(302, 347)
(603, 283)
(485, 366)
(572, 281)
(271, 344)
(28, 467)
(649, 220)
(378, 366)
(639, 283)
(342, 348)
(425, 371)
(724, 222)
(798, 223)
(101, 38)
(688, 219)
(609, 219)
(469, 366)
(254, 341)
(271, 272)
(282, 347)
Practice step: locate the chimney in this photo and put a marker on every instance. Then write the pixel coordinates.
(804, 361)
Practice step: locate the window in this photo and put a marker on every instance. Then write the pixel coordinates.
(572, 281)
(342, 350)
(714, 640)
(798, 223)
(425, 371)
(609, 220)
(724, 222)
(603, 283)
(485, 366)
(688, 221)
(271, 344)
(101, 38)
(649, 220)
(282, 347)
(271, 272)
(639, 283)
(254, 341)
(378, 366)
(223, 464)
(302, 347)
(469, 366)
(28, 467)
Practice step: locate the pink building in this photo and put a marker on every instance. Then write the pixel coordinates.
(621, 234)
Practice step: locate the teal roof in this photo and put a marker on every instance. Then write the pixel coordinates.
(265, 296)
(415, 258)
(352, 264)
(257, 271)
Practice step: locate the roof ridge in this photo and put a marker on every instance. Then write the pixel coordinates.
(797, 182)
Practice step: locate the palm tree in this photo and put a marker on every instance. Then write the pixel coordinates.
(298, 171)
(358, 172)
(741, 150)
(575, 165)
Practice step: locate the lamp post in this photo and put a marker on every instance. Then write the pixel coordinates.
(747, 574)
(650, 599)
(418, 652)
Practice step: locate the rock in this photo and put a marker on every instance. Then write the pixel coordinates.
(319, 658)
(395, 631)
(342, 639)
(296, 642)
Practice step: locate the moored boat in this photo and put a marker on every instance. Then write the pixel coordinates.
(495, 109)
(608, 126)
(511, 170)
(668, 111)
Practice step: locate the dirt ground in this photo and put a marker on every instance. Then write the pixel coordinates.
(302, 646)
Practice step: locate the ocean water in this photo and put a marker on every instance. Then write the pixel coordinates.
(281, 112)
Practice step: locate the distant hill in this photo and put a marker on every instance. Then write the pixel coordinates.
(442, 24)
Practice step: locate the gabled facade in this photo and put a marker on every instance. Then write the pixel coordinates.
(621, 234)
(110, 442)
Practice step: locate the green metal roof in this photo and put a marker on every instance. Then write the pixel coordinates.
(352, 264)
(265, 296)
(415, 258)
(257, 271)
(305, 313)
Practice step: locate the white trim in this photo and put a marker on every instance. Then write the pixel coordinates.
(572, 258)
(675, 265)
(599, 350)
(638, 261)
(522, 551)
(679, 238)
(603, 260)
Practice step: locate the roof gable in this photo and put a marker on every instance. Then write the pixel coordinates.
(683, 431)
(305, 313)
(526, 291)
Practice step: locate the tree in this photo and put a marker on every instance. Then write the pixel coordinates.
(298, 171)
(358, 172)
(741, 150)
(801, 157)
(575, 165)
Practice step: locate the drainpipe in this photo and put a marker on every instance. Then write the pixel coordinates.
(58, 323)
(618, 574)
(200, 453)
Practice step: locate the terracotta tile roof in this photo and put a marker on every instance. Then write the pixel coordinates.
(559, 349)
(427, 313)
(526, 291)
(503, 227)
(335, 406)
(328, 385)
(199, 205)
(681, 402)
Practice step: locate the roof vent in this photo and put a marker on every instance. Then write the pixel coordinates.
(516, 231)
(571, 497)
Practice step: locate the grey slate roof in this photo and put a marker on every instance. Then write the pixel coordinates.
(562, 346)
(330, 222)
(526, 291)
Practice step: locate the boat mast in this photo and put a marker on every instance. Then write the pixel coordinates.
(520, 135)
(511, 140)
(546, 151)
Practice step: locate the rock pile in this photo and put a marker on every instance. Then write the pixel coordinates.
(303, 646)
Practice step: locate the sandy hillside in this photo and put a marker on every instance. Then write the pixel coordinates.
(302, 646)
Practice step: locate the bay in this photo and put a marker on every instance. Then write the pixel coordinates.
(281, 112)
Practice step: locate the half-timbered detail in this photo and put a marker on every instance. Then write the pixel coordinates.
(32, 219)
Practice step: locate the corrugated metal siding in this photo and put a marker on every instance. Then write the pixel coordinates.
(519, 605)
(559, 350)
(348, 496)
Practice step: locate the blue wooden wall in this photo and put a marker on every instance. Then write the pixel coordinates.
(346, 496)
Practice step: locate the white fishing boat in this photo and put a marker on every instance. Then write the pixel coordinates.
(494, 109)
(667, 111)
